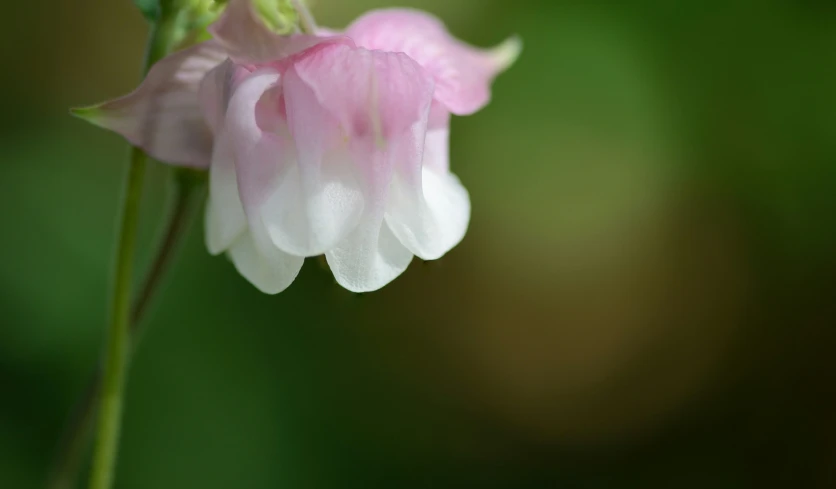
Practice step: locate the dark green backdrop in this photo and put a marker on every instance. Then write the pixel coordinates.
(646, 297)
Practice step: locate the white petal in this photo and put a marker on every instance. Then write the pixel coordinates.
(428, 209)
(268, 268)
(260, 160)
(319, 200)
(225, 219)
(313, 210)
(369, 258)
(430, 222)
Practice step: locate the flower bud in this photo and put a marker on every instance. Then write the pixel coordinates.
(193, 17)
(278, 15)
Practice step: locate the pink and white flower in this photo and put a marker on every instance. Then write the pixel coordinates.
(333, 144)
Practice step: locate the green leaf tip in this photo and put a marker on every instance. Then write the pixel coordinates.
(507, 52)
(89, 114)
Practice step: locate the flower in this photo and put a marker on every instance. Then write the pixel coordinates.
(334, 143)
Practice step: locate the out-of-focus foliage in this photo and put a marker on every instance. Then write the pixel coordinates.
(149, 8)
(645, 297)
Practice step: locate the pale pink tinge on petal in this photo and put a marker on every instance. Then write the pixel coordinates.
(299, 191)
(163, 116)
(320, 200)
(216, 89)
(437, 146)
(225, 218)
(374, 95)
(382, 102)
(328, 32)
(463, 73)
(248, 40)
(261, 162)
(439, 116)
(428, 209)
(260, 157)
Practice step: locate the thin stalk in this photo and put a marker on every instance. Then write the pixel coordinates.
(116, 347)
(188, 190)
(117, 344)
(76, 439)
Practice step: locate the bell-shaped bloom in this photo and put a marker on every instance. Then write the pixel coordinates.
(333, 144)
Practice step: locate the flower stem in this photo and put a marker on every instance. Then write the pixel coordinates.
(116, 347)
(117, 343)
(188, 188)
(76, 439)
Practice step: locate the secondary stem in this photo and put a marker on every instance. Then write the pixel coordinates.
(187, 192)
(76, 438)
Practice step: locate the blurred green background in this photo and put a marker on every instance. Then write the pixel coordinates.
(646, 296)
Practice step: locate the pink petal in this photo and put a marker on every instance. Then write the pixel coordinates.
(380, 101)
(163, 116)
(374, 95)
(437, 143)
(259, 156)
(305, 197)
(248, 40)
(463, 74)
(320, 200)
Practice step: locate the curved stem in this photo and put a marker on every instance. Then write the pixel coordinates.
(76, 438)
(186, 197)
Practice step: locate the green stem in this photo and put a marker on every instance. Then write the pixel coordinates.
(116, 348)
(117, 344)
(76, 439)
(188, 188)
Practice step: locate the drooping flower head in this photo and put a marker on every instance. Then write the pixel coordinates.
(333, 143)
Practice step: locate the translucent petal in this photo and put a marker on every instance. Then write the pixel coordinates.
(163, 116)
(225, 219)
(462, 73)
(268, 268)
(369, 258)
